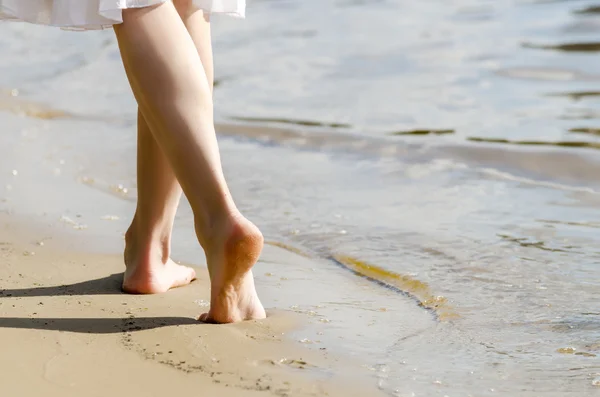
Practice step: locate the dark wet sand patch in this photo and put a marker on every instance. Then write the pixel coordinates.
(30, 109)
(16, 104)
(566, 47)
(580, 224)
(288, 247)
(576, 95)
(585, 130)
(305, 123)
(527, 243)
(572, 144)
(588, 10)
(423, 132)
(404, 284)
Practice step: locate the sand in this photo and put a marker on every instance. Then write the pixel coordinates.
(66, 329)
(66, 196)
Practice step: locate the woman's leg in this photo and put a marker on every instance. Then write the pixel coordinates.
(198, 26)
(172, 90)
(149, 268)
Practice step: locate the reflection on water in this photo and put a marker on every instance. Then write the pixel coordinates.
(437, 147)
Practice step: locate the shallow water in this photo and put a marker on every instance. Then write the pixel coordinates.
(453, 143)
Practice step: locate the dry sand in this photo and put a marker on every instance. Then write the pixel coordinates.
(66, 329)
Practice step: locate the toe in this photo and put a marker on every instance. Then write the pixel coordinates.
(185, 275)
(192, 274)
(204, 318)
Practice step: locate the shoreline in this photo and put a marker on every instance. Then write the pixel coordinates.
(528, 162)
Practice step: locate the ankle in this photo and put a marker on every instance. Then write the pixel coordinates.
(147, 244)
(217, 230)
(210, 224)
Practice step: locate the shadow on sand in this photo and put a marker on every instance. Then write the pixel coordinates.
(110, 285)
(95, 325)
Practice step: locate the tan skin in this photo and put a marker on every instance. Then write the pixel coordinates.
(167, 55)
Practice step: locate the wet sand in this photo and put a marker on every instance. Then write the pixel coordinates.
(64, 210)
(66, 329)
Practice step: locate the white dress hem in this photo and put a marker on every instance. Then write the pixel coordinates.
(97, 14)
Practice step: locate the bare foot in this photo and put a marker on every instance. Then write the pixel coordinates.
(230, 260)
(147, 272)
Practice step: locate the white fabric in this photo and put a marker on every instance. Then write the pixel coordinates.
(96, 14)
